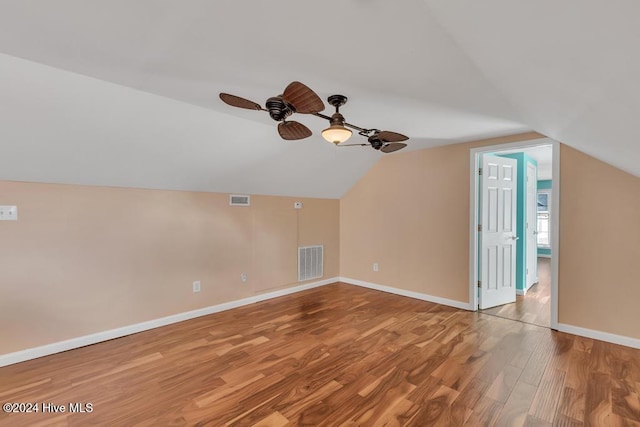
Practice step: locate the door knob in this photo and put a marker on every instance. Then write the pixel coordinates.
(514, 238)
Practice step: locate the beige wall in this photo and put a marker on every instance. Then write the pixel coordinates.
(82, 259)
(410, 214)
(599, 280)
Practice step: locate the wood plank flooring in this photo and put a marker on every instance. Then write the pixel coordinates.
(336, 355)
(535, 306)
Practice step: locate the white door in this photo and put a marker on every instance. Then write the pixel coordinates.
(498, 234)
(532, 226)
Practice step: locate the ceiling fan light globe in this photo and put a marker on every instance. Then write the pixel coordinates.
(336, 134)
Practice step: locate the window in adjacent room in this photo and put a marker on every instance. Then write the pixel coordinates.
(544, 225)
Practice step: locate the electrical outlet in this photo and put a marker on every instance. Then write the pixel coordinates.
(243, 277)
(375, 266)
(8, 213)
(196, 286)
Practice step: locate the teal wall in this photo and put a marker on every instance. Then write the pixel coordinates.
(544, 252)
(544, 185)
(521, 225)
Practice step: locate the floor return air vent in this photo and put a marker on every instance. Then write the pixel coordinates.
(310, 259)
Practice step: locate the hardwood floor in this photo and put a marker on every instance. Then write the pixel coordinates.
(535, 306)
(336, 355)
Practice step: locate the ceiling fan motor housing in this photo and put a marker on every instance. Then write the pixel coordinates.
(376, 142)
(337, 119)
(278, 109)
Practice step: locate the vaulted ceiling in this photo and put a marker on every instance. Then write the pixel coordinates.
(125, 93)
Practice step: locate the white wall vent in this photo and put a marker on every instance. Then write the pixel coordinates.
(239, 200)
(310, 259)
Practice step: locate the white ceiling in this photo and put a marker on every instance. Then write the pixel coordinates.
(125, 93)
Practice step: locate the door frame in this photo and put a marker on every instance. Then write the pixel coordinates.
(532, 240)
(555, 217)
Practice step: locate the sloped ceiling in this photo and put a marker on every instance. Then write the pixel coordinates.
(125, 93)
(570, 68)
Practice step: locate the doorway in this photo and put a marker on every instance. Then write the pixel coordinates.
(534, 307)
(538, 277)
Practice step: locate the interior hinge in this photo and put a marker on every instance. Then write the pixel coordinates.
(479, 227)
(479, 283)
(480, 171)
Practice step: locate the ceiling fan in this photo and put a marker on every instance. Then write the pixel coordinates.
(298, 98)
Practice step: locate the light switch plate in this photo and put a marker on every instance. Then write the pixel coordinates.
(8, 213)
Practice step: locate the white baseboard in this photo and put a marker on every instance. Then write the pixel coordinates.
(57, 347)
(523, 292)
(575, 330)
(45, 350)
(599, 335)
(410, 294)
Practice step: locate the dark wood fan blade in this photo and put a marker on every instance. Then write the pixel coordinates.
(236, 101)
(387, 136)
(393, 146)
(293, 130)
(303, 99)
